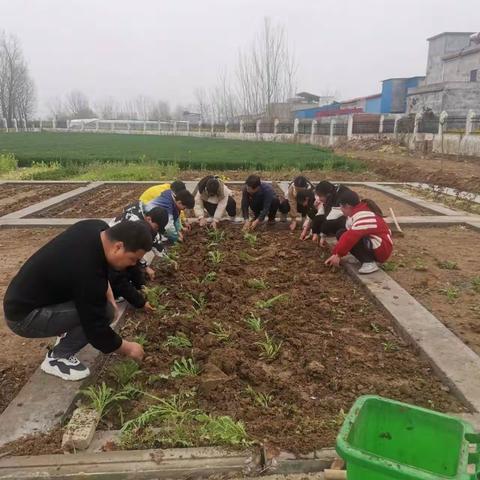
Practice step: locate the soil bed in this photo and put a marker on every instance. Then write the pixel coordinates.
(440, 267)
(105, 201)
(15, 196)
(19, 357)
(336, 345)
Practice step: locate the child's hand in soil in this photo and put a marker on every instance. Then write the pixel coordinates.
(304, 235)
(323, 242)
(333, 261)
(254, 224)
(150, 272)
(247, 225)
(203, 222)
(132, 350)
(148, 308)
(293, 226)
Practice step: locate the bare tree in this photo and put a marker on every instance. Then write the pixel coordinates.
(78, 105)
(160, 110)
(107, 108)
(17, 90)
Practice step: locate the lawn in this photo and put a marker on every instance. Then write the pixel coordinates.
(75, 151)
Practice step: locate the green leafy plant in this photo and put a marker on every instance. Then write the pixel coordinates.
(259, 398)
(216, 236)
(102, 398)
(390, 266)
(450, 292)
(271, 301)
(420, 266)
(270, 348)
(476, 283)
(185, 367)
(257, 283)
(250, 238)
(199, 301)
(124, 372)
(142, 339)
(254, 322)
(179, 340)
(245, 257)
(448, 265)
(171, 256)
(374, 327)
(220, 332)
(216, 257)
(222, 430)
(389, 346)
(153, 294)
(208, 278)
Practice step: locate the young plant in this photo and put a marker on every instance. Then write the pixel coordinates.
(257, 283)
(199, 302)
(390, 266)
(185, 367)
(171, 257)
(180, 340)
(216, 257)
(102, 397)
(476, 283)
(389, 347)
(250, 238)
(216, 236)
(271, 301)
(254, 323)
(448, 265)
(124, 372)
(245, 257)
(222, 430)
(374, 327)
(420, 266)
(270, 348)
(450, 292)
(222, 333)
(142, 339)
(153, 294)
(261, 399)
(208, 278)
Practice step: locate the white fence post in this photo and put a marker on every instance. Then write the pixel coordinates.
(212, 127)
(54, 123)
(188, 126)
(418, 117)
(226, 126)
(275, 126)
(312, 133)
(442, 121)
(41, 125)
(295, 126)
(332, 131)
(395, 125)
(112, 125)
(469, 125)
(128, 127)
(258, 126)
(15, 124)
(380, 127)
(199, 126)
(97, 125)
(241, 126)
(175, 127)
(350, 127)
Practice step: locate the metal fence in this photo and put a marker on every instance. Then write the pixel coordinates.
(284, 127)
(455, 124)
(267, 127)
(428, 124)
(366, 126)
(476, 125)
(250, 127)
(340, 129)
(322, 129)
(406, 125)
(305, 128)
(388, 125)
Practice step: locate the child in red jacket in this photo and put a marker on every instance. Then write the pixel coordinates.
(366, 236)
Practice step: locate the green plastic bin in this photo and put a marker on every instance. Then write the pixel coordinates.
(383, 439)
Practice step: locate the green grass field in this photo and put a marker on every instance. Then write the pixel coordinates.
(84, 155)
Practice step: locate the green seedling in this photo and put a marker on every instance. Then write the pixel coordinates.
(448, 265)
(180, 340)
(375, 327)
(257, 283)
(259, 398)
(216, 236)
(222, 430)
(390, 266)
(153, 294)
(250, 238)
(271, 301)
(270, 348)
(245, 257)
(124, 372)
(220, 332)
(142, 339)
(254, 323)
(199, 301)
(450, 292)
(102, 398)
(476, 283)
(389, 347)
(216, 257)
(185, 367)
(420, 266)
(171, 257)
(208, 278)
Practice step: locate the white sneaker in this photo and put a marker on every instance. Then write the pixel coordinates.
(66, 368)
(368, 267)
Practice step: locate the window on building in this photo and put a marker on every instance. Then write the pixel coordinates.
(473, 75)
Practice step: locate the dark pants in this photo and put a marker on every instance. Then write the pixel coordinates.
(256, 205)
(362, 251)
(320, 225)
(56, 320)
(231, 207)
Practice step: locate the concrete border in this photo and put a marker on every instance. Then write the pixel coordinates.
(455, 363)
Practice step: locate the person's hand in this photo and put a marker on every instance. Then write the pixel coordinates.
(215, 224)
(247, 225)
(181, 237)
(150, 272)
(333, 261)
(293, 226)
(323, 241)
(132, 350)
(187, 227)
(255, 224)
(303, 235)
(202, 222)
(148, 308)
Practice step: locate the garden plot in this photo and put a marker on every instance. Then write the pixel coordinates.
(385, 202)
(18, 356)
(440, 267)
(254, 339)
(105, 201)
(15, 196)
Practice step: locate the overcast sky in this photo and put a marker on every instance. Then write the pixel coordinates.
(165, 49)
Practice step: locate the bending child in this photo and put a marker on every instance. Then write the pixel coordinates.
(213, 199)
(299, 184)
(366, 236)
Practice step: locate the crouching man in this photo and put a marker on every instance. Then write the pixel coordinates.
(63, 290)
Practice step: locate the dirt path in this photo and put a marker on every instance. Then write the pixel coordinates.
(18, 356)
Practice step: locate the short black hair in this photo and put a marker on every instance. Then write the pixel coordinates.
(325, 188)
(186, 198)
(159, 216)
(177, 186)
(349, 197)
(253, 181)
(303, 195)
(212, 186)
(301, 182)
(134, 235)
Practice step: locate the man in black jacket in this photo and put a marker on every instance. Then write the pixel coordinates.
(63, 290)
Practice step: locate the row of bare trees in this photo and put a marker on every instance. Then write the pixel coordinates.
(265, 74)
(17, 90)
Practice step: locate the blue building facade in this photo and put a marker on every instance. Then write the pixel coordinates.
(312, 112)
(373, 104)
(394, 93)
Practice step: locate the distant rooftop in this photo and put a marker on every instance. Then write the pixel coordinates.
(311, 97)
(449, 33)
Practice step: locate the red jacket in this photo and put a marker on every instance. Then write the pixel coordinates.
(365, 223)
